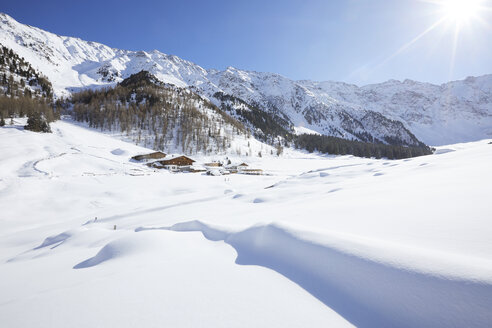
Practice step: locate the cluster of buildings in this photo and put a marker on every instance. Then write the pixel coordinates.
(186, 164)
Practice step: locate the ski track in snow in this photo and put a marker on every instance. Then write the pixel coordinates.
(34, 165)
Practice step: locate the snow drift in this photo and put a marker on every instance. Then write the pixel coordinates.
(368, 292)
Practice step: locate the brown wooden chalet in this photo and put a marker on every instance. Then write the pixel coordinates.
(144, 157)
(178, 161)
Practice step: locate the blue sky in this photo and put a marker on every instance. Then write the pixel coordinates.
(355, 41)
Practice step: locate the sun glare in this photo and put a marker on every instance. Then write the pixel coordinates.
(461, 11)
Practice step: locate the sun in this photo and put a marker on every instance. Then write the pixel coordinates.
(461, 11)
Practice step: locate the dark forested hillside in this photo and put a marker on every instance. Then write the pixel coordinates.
(24, 91)
(269, 127)
(19, 78)
(265, 126)
(338, 146)
(165, 117)
(157, 115)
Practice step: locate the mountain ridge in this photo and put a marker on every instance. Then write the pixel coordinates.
(456, 111)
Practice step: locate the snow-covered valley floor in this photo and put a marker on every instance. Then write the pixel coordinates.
(319, 242)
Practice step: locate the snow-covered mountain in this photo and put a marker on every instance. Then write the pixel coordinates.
(306, 110)
(453, 112)
(437, 114)
(72, 63)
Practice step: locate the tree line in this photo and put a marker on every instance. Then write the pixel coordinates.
(25, 106)
(157, 115)
(338, 146)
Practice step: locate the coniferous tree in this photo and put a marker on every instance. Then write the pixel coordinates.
(37, 123)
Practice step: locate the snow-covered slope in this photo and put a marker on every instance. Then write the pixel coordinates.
(453, 112)
(72, 63)
(438, 114)
(304, 109)
(319, 242)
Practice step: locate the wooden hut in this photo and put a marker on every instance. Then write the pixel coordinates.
(178, 161)
(146, 157)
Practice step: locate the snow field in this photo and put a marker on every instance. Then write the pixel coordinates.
(320, 241)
